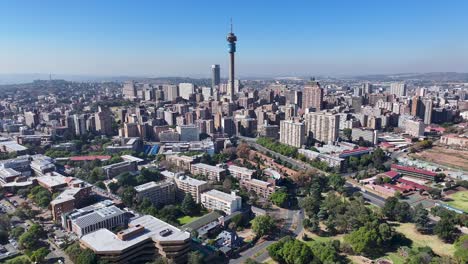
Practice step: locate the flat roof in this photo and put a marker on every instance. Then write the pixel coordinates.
(221, 195)
(98, 215)
(152, 184)
(52, 181)
(105, 240)
(411, 169)
(208, 167)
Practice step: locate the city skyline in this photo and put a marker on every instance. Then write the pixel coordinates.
(156, 39)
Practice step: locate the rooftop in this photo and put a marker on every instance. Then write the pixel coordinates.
(221, 195)
(155, 229)
(152, 184)
(208, 167)
(98, 215)
(415, 170)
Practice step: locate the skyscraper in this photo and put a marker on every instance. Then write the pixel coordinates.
(215, 75)
(231, 38)
(427, 111)
(312, 96)
(129, 90)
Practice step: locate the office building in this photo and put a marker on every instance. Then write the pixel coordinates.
(31, 119)
(292, 133)
(217, 200)
(322, 126)
(103, 121)
(144, 240)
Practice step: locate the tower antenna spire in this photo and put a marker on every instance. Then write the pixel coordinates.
(231, 24)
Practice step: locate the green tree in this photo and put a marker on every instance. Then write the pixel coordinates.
(461, 249)
(86, 256)
(189, 206)
(263, 225)
(421, 218)
(291, 251)
(17, 232)
(195, 257)
(347, 133)
(337, 182)
(19, 260)
(279, 198)
(39, 255)
(445, 229)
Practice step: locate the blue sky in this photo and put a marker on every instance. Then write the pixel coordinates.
(275, 38)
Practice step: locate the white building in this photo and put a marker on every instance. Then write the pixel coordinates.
(107, 217)
(292, 133)
(186, 89)
(398, 89)
(216, 200)
(240, 172)
(324, 126)
(158, 193)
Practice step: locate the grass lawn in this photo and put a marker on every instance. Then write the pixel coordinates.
(187, 219)
(421, 240)
(460, 200)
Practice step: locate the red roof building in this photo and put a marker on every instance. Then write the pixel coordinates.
(413, 184)
(414, 172)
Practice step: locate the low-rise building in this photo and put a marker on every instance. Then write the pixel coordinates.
(217, 200)
(414, 172)
(240, 172)
(68, 200)
(181, 161)
(117, 168)
(261, 188)
(106, 217)
(158, 193)
(455, 140)
(213, 173)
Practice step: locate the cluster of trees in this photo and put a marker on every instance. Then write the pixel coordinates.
(374, 160)
(81, 256)
(372, 238)
(418, 146)
(446, 227)
(40, 196)
(275, 146)
(291, 251)
(263, 225)
(4, 228)
(91, 171)
(337, 214)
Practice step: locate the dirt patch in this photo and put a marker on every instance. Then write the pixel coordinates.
(444, 156)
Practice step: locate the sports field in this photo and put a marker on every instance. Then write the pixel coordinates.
(460, 200)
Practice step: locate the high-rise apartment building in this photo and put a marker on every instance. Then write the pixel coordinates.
(171, 92)
(427, 111)
(312, 97)
(129, 90)
(103, 121)
(158, 193)
(398, 89)
(186, 89)
(322, 126)
(292, 133)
